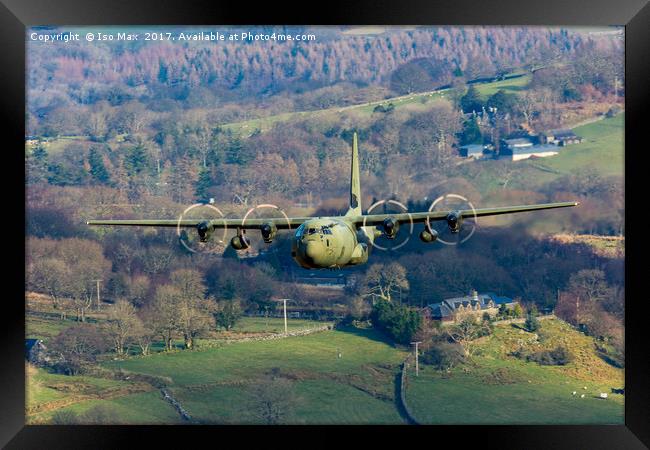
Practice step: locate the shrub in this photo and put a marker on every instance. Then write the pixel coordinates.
(100, 415)
(559, 356)
(443, 356)
(398, 321)
(64, 417)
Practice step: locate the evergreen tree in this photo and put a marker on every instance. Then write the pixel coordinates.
(471, 101)
(97, 169)
(162, 73)
(471, 133)
(237, 153)
(37, 164)
(135, 160)
(503, 101)
(532, 324)
(228, 314)
(202, 185)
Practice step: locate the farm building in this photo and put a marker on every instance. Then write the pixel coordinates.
(471, 151)
(447, 309)
(517, 143)
(560, 137)
(532, 151)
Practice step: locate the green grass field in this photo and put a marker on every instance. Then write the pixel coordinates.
(318, 401)
(504, 390)
(602, 149)
(246, 360)
(214, 385)
(146, 408)
(48, 393)
(45, 327)
(247, 127)
(513, 85)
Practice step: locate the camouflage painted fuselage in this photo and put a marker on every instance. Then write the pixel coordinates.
(330, 242)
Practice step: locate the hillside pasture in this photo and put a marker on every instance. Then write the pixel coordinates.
(502, 389)
(214, 385)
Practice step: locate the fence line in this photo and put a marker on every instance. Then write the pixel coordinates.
(402, 394)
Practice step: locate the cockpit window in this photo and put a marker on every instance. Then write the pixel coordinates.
(326, 230)
(312, 231)
(300, 230)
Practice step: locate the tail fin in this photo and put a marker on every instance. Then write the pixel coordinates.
(355, 183)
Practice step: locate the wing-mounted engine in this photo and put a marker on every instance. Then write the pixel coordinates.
(268, 231)
(454, 221)
(457, 225)
(240, 241)
(390, 227)
(204, 229)
(428, 236)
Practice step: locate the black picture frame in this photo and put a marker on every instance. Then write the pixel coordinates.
(16, 15)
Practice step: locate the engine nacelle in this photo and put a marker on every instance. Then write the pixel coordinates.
(205, 231)
(268, 230)
(454, 221)
(240, 242)
(391, 227)
(428, 236)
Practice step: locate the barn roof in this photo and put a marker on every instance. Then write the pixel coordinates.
(534, 149)
(518, 142)
(560, 133)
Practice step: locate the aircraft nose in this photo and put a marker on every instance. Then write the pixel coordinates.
(313, 249)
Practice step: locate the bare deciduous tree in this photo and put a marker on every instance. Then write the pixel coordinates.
(87, 263)
(590, 284)
(49, 275)
(384, 280)
(144, 333)
(122, 324)
(194, 311)
(164, 314)
(466, 331)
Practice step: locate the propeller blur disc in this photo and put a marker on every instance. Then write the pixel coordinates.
(451, 202)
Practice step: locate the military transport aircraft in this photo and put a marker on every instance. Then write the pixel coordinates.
(334, 242)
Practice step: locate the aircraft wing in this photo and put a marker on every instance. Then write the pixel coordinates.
(281, 223)
(419, 217)
(286, 223)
